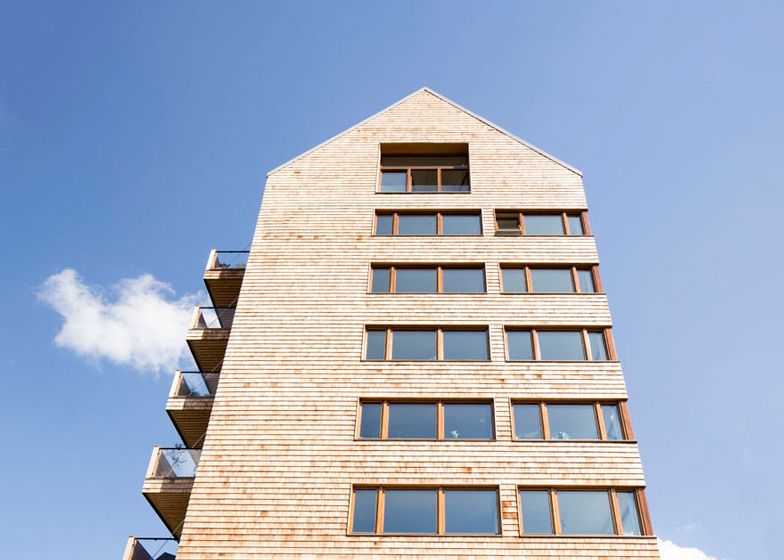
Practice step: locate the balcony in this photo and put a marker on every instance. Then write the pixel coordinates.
(150, 549)
(190, 404)
(168, 484)
(223, 276)
(208, 335)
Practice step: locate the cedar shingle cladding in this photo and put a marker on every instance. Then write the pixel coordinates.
(279, 457)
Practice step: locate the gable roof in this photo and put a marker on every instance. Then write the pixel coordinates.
(446, 100)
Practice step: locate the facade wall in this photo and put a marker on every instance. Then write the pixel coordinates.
(280, 458)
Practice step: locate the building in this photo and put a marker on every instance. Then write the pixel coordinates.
(421, 362)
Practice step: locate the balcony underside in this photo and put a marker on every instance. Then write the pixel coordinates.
(190, 417)
(208, 347)
(224, 285)
(169, 498)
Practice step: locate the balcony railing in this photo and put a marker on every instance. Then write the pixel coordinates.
(213, 318)
(174, 462)
(195, 384)
(150, 549)
(228, 260)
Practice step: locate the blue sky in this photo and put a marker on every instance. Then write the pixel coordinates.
(135, 137)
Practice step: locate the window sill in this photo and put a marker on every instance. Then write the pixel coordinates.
(504, 234)
(574, 440)
(527, 536)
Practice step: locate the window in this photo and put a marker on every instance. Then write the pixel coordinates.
(427, 343)
(436, 420)
(515, 222)
(558, 345)
(428, 279)
(426, 511)
(553, 511)
(521, 279)
(570, 421)
(391, 223)
(425, 169)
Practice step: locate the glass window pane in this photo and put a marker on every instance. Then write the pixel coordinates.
(527, 421)
(465, 345)
(585, 513)
(380, 281)
(364, 511)
(471, 511)
(424, 180)
(410, 511)
(461, 225)
(464, 280)
(514, 280)
(586, 281)
(393, 181)
(384, 224)
(468, 421)
(416, 280)
(376, 344)
(455, 180)
(630, 517)
(537, 517)
(508, 223)
(556, 280)
(412, 421)
(575, 225)
(370, 425)
(416, 224)
(598, 348)
(537, 224)
(612, 421)
(414, 345)
(561, 345)
(572, 421)
(519, 345)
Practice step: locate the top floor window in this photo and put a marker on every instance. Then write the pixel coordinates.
(514, 222)
(424, 168)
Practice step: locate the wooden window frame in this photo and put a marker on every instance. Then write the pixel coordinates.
(439, 268)
(646, 527)
(439, 214)
(439, 330)
(440, 491)
(409, 169)
(606, 331)
(544, 419)
(439, 403)
(564, 214)
(574, 268)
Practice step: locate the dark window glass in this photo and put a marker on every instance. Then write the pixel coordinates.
(380, 280)
(384, 224)
(612, 422)
(461, 225)
(376, 344)
(471, 511)
(536, 224)
(556, 280)
(537, 517)
(465, 345)
(393, 181)
(575, 225)
(454, 180)
(572, 421)
(412, 421)
(519, 345)
(561, 345)
(410, 511)
(416, 280)
(598, 348)
(370, 426)
(508, 222)
(468, 421)
(528, 421)
(464, 280)
(416, 224)
(586, 281)
(424, 180)
(364, 511)
(514, 280)
(585, 513)
(630, 517)
(414, 345)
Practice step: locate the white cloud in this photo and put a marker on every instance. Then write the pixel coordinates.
(143, 326)
(671, 551)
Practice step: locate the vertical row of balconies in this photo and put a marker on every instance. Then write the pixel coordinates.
(171, 471)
